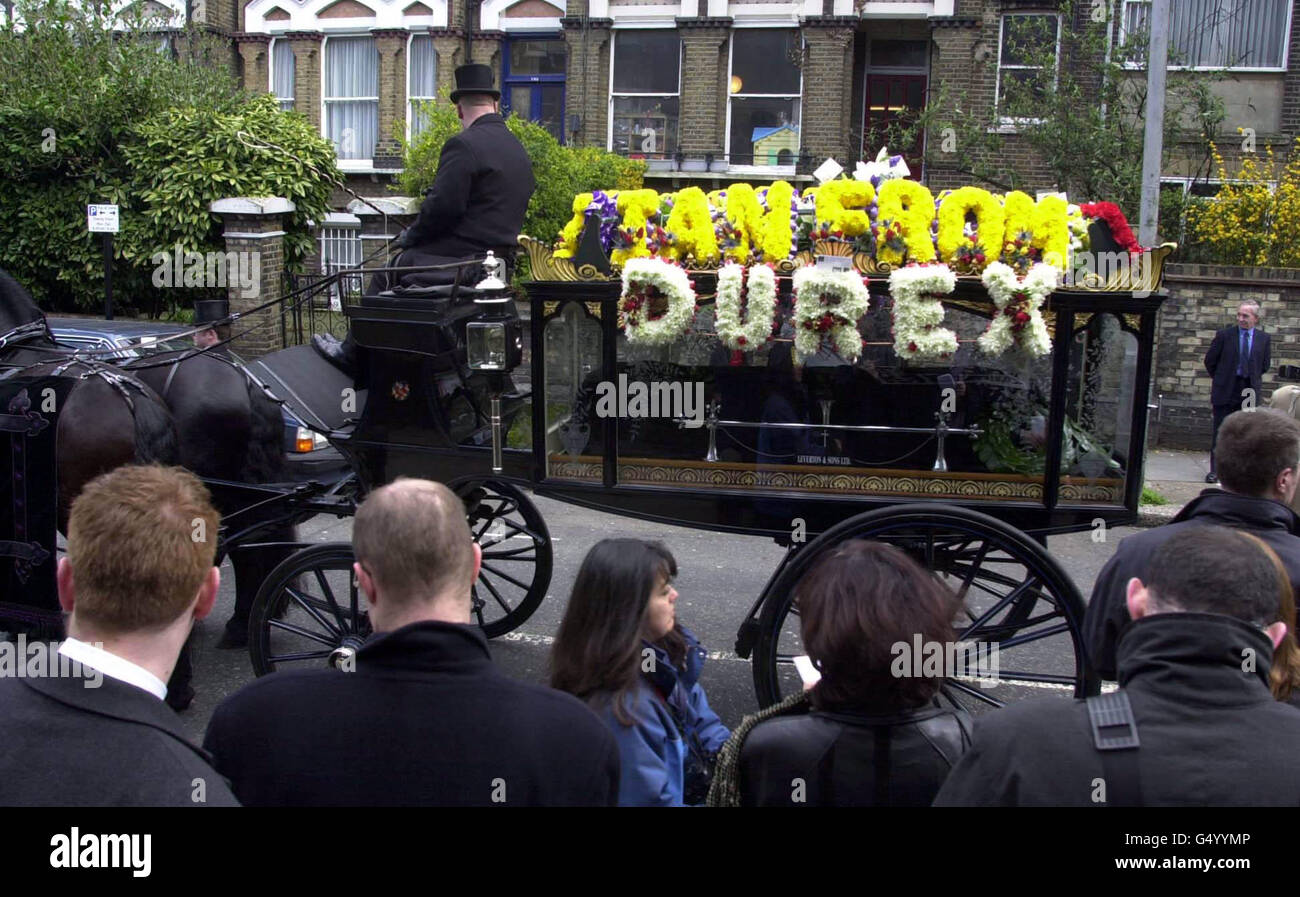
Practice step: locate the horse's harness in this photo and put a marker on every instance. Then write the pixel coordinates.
(111, 375)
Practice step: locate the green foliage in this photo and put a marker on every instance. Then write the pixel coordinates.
(85, 115)
(185, 158)
(1152, 497)
(561, 172)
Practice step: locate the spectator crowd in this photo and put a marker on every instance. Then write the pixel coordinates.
(1194, 620)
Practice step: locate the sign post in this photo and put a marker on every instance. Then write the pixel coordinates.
(103, 219)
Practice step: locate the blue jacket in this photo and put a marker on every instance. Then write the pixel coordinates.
(651, 750)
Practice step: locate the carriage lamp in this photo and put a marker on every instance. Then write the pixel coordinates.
(494, 343)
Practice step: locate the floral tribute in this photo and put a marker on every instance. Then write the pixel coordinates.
(630, 238)
(746, 308)
(1019, 317)
(905, 210)
(1119, 228)
(827, 307)
(658, 302)
(1035, 231)
(918, 311)
(958, 244)
(691, 222)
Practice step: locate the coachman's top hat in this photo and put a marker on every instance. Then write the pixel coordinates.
(474, 78)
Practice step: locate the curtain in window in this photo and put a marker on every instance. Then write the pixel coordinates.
(1220, 33)
(282, 73)
(352, 71)
(423, 79)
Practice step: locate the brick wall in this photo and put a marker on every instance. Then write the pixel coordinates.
(586, 87)
(1202, 300)
(254, 53)
(306, 73)
(391, 46)
(702, 124)
(1291, 95)
(827, 129)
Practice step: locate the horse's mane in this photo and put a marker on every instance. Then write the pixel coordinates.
(17, 306)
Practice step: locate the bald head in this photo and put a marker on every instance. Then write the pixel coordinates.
(411, 539)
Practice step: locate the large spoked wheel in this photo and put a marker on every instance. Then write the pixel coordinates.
(1015, 597)
(517, 554)
(309, 612)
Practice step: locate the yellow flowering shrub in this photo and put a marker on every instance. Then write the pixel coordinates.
(1248, 223)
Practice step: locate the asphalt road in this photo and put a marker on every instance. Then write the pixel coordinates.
(720, 576)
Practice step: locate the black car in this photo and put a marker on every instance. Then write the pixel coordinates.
(310, 455)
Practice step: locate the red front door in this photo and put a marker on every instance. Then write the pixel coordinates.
(892, 99)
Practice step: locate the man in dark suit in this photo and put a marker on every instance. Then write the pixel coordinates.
(87, 726)
(424, 718)
(476, 204)
(1237, 360)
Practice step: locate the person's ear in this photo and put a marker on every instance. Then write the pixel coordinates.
(66, 586)
(1276, 632)
(1285, 484)
(207, 594)
(366, 583)
(1138, 599)
(478, 561)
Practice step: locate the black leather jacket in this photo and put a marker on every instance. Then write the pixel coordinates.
(845, 759)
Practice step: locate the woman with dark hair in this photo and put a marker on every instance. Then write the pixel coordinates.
(870, 732)
(620, 649)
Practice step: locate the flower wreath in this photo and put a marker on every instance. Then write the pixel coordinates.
(918, 312)
(986, 244)
(1119, 227)
(904, 211)
(645, 321)
(1019, 318)
(779, 222)
(749, 294)
(827, 307)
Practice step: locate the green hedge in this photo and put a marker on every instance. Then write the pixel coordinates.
(89, 116)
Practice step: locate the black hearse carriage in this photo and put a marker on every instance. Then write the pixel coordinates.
(969, 465)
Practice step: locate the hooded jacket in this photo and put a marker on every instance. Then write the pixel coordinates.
(1272, 521)
(653, 750)
(1210, 732)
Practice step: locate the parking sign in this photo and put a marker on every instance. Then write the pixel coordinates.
(101, 219)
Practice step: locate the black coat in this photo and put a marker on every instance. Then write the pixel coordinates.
(1221, 362)
(1211, 734)
(1107, 614)
(851, 759)
(65, 743)
(426, 719)
(479, 195)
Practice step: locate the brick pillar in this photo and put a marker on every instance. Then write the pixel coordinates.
(254, 52)
(306, 73)
(827, 129)
(487, 51)
(382, 220)
(254, 229)
(586, 89)
(952, 69)
(449, 44)
(704, 67)
(391, 46)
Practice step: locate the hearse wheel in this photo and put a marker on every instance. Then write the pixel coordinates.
(308, 612)
(1015, 597)
(517, 554)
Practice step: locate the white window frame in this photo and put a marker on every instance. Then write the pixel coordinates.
(1005, 124)
(613, 48)
(410, 98)
(1141, 66)
(278, 44)
(726, 144)
(355, 165)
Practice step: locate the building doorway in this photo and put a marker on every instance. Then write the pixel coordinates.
(897, 75)
(532, 80)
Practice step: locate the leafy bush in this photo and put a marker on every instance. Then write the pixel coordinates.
(561, 172)
(1250, 221)
(92, 116)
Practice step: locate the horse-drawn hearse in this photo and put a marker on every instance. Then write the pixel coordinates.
(963, 401)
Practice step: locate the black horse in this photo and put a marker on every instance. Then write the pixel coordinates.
(196, 410)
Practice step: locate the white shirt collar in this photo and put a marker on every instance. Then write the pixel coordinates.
(113, 666)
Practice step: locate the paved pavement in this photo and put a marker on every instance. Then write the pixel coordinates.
(1178, 476)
